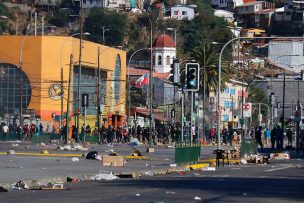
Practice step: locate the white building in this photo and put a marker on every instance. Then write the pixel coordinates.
(87, 4)
(287, 53)
(227, 15)
(181, 12)
(164, 51)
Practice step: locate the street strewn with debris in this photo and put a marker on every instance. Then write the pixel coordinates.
(75, 168)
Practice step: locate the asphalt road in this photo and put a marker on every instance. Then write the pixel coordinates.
(244, 183)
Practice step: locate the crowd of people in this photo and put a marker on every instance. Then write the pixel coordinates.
(162, 133)
(23, 132)
(122, 133)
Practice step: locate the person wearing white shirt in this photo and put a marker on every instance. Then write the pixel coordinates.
(5, 131)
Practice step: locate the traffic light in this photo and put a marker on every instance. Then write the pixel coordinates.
(192, 76)
(175, 71)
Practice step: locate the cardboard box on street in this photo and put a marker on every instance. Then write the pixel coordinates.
(117, 161)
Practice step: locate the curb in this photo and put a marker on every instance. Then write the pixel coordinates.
(233, 161)
(39, 154)
(73, 155)
(197, 166)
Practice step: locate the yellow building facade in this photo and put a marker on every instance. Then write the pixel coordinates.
(33, 69)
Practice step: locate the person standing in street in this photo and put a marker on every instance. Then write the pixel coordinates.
(258, 137)
(267, 136)
(289, 137)
(4, 131)
(273, 137)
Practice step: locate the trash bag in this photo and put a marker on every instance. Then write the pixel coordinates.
(92, 155)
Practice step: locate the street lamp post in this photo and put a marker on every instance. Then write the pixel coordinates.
(103, 33)
(129, 97)
(150, 84)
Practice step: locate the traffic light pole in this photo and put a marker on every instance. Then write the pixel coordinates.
(191, 119)
(182, 114)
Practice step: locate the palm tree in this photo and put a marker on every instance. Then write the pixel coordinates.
(208, 57)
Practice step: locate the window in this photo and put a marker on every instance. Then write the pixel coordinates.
(10, 79)
(225, 117)
(211, 100)
(226, 90)
(168, 60)
(232, 91)
(159, 60)
(226, 104)
(184, 13)
(117, 79)
(175, 13)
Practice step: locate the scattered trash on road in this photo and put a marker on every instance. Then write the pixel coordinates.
(73, 180)
(149, 173)
(75, 159)
(208, 169)
(117, 161)
(11, 152)
(73, 147)
(2, 189)
(93, 155)
(134, 142)
(280, 156)
(15, 145)
(244, 194)
(136, 152)
(44, 152)
(137, 195)
(105, 176)
(173, 165)
(243, 161)
(197, 198)
(19, 186)
(170, 192)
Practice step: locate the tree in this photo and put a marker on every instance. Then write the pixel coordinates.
(112, 20)
(208, 57)
(4, 11)
(257, 95)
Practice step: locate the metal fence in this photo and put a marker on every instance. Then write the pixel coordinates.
(187, 152)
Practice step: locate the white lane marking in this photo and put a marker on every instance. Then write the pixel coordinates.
(277, 169)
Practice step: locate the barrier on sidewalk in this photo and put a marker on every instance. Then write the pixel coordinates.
(249, 146)
(89, 138)
(36, 138)
(187, 152)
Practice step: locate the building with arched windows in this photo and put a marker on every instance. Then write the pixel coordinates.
(34, 78)
(164, 51)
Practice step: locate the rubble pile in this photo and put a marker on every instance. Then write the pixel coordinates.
(255, 159)
(72, 147)
(280, 156)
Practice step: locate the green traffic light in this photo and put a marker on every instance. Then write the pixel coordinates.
(192, 82)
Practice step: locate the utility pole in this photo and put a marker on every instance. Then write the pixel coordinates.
(68, 102)
(298, 122)
(283, 113)
(79, 71)
(98, 92)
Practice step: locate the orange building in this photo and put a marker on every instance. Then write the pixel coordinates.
(34, 71)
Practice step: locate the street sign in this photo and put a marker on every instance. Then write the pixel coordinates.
(247, 109)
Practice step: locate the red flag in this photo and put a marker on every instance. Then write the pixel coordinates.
(143, 80)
